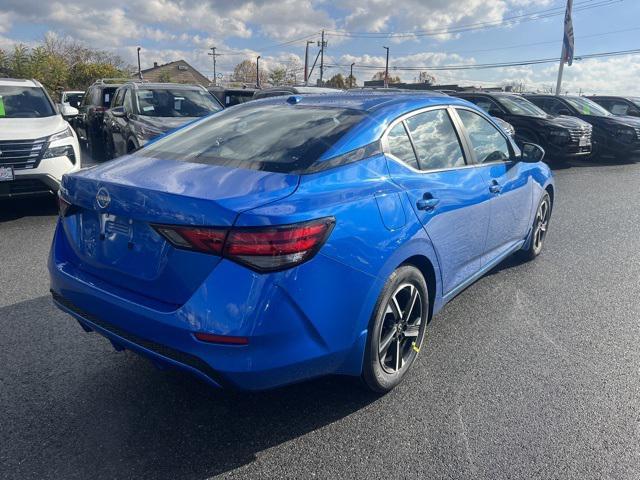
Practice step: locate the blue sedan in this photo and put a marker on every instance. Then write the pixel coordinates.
(289, 238)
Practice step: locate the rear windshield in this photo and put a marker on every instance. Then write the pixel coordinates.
(178, 102)
(276, 138)
(74, 99)
(24, 102)
(107, 96)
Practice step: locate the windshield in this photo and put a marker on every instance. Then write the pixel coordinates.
(178, 102)
(635, 101)
(24, 102)
(276, 138)
(74, 99)
(520, 106)
(587, 107)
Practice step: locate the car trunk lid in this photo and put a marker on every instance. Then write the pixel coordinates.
(115, 206)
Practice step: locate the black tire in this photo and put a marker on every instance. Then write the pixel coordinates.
(395, 337)
(539, 228)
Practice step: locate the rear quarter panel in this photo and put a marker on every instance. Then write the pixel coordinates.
(375, 232)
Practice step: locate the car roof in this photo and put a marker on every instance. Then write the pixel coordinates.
(365, 101)
(623, 97)
(161, 85)
(19, 82)
(232, 89)
(488, 94)
(380, 108)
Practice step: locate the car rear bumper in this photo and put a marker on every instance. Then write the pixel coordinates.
(159, 354)
(287, 342)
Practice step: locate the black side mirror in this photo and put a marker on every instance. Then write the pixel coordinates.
(494, 112)
(532, 153)
(564, 111)
(118, 112)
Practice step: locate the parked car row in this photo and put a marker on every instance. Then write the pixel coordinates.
(118, 116)
(565, 126)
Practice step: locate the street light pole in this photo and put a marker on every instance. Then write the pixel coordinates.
(139, 69)
(386, 69)
(351, 76)
(258, 71)
(306, 62)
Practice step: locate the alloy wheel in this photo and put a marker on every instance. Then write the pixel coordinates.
(542, 223)
(402, 328)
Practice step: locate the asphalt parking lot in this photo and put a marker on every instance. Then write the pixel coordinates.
(531, 373)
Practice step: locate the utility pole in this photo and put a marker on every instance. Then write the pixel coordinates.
(386, 69)
(351, 76)
(258, 71)
(306, 62)
(139, 70)
(214, 55)
(322, 45)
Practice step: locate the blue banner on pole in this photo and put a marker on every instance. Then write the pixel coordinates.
(568, 35)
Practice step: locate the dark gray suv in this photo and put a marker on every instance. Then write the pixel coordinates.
(142, 111)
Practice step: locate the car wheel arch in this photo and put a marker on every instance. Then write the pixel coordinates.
(551, 191)
(428, 271)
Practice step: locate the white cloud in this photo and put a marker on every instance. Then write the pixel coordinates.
(172, 29)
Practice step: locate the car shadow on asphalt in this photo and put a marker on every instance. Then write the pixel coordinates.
(100, 414)
(586, 162)
(14, 209)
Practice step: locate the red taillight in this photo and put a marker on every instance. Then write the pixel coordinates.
(224, 339)
(63, 206)
(275, 248)
(100, 109)
(260, 248)
(206, 240)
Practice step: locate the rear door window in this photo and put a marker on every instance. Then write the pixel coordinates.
(128, 107)
(488, 143)
(276, 138)
(554, 106)
(619, 108)
(400, 145)
(117, 99)
(435, 140)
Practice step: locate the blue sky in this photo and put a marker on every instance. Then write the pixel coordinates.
(172, 29)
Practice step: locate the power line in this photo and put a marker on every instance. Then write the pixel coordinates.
(550, 42)
(531, 16)
(482, 66)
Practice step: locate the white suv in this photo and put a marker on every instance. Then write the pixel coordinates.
(37, 146)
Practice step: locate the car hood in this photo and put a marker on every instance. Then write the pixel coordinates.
(615, 121)
(30, 128)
